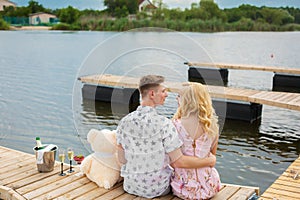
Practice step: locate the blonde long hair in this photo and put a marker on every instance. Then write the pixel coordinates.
(195, 98)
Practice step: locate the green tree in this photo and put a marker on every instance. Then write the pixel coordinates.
(121, 12)
(114, 6)
(295, 12)
(68, 15)
(297, 18)
(276, 16)
(208, 9)
(35, 7)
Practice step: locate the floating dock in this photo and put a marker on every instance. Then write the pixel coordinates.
(20, 180)
(284, 70)
(287, 186)
(284, 79)
(279, 99)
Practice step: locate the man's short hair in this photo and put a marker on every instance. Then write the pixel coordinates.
(149, 81)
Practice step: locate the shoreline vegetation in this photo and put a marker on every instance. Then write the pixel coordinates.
(204, 16)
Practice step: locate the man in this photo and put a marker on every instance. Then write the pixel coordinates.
(148, 143)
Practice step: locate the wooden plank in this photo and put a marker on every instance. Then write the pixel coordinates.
(227, 192)
(260, 94)
(2, 150)
(290, 180)
(276, 197)
(275, 96)
(16, 163)
(41, 183)
(16, 169)
(20, 175)
(247, 67)
(254, 189)
(266, 198)
(6, 154)
(79, 191)
(14, 160)
(279, 185)
(112, 194)
(50, 187)
(31, 177)
(8, 193)
(64, 189)
(140, 198)
(96, 193)
(291, 104)
(125, 196)
(282, 194)
(288, 97)
(92, 194)
(243, 194)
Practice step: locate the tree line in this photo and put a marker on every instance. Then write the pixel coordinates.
(205, 16)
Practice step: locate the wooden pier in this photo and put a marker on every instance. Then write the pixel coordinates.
(284, 79)
(246, 67)
(287, 186)
(279, 99)
(20, 180)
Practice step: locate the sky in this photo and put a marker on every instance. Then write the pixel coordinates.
(98, 4)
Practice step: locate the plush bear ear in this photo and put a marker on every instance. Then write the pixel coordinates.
(91, 135)
(111, 137)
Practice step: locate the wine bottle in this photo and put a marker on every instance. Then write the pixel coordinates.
(39, 145)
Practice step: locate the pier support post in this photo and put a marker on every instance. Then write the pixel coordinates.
(238, 110)
(286, 83)
(208, 76)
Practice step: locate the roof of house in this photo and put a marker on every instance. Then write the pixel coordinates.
(40, 13)
(7, 1)
(150, 5)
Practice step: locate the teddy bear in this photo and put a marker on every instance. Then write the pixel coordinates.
(102, 166)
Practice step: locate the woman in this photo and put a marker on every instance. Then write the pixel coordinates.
(197, 126)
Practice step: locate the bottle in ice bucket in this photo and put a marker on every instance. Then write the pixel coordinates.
(39, 145)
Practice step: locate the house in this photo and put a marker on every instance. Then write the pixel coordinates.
(6, 3)
(146, 5)
(42, 18)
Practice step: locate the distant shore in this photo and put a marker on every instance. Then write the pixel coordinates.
(30, 28)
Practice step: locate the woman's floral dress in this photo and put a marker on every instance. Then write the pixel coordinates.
(201, 183)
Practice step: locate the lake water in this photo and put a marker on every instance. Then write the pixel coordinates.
(41, 96)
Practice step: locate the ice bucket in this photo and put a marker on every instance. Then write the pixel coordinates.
(48, 158)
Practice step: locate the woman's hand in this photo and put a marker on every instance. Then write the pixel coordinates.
(212, 159)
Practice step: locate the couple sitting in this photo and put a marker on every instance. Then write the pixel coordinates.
(148, 144)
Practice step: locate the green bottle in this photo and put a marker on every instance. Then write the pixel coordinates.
(39, 145)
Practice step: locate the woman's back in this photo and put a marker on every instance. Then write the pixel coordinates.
(201, 183)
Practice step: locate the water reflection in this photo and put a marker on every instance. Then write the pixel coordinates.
(104, 113)
(253, 141)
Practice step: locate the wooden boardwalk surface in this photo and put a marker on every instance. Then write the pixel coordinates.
(287, 186)
(278, 99)
(246, 67)
(20, 180)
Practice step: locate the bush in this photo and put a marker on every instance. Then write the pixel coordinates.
(3, 25)
(290, 27)
(62, 26)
